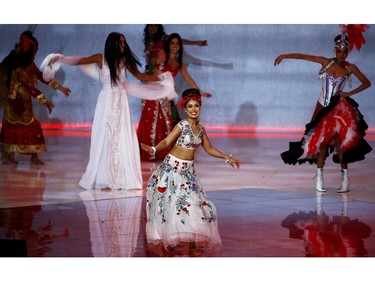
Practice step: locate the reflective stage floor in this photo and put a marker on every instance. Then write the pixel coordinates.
(265, 209)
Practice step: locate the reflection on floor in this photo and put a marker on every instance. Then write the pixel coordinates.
(265, 209)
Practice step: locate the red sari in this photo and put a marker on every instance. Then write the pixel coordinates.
(155, 124)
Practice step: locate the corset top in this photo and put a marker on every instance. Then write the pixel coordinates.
(331, 86)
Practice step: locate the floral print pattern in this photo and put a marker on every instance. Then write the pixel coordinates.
(177, 206)
(188, 139)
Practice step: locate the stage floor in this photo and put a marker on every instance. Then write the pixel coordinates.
(265, 209)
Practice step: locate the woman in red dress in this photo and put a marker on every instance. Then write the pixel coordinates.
(22, 131)
(156, 120)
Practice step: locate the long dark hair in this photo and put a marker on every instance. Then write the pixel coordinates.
(168, 50)
(115, 58)
(158, 36)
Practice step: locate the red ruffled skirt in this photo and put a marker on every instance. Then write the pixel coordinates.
(341, 121)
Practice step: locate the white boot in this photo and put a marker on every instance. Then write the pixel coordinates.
(320, 186)
(345, 181)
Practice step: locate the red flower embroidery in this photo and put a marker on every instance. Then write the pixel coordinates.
(162, 189)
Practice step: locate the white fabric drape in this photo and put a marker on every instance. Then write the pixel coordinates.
(150, 90)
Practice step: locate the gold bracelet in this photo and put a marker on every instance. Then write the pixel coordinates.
(53, 84)
(41, 99)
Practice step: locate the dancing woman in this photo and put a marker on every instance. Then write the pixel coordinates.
(154, 38)
(178, 210)
(156, 121)
(22, 131)
(336, 125)
(114, 161)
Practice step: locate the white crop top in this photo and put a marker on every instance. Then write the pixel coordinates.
(188, 139)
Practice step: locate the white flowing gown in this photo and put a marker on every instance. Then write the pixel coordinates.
(114, 153)
(114, 160)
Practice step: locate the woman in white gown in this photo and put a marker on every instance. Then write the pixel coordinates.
(114, 161)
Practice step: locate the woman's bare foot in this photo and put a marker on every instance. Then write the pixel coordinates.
(12, 158)
(35, 160)
(169, 249)
(106, 189)
(193, 250)
(5, 160)
(8, 158)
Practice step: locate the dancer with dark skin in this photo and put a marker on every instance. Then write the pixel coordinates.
(22, 131)
(335, 72)
(114, 161)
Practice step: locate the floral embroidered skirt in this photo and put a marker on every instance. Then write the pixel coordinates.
(177, 207)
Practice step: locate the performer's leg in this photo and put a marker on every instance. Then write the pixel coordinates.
(320, 186)
(35, 159)
(344, 169)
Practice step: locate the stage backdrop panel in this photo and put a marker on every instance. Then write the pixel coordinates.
(236, 67)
